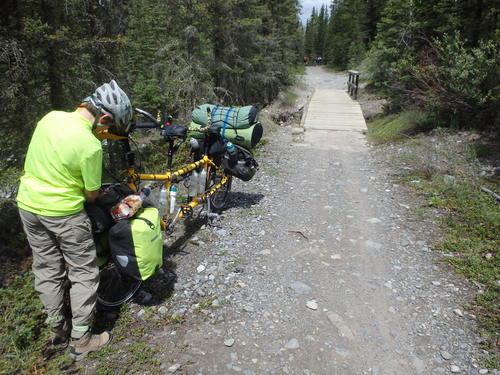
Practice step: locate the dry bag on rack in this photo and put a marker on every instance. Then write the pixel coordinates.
(244, 166)
(136, 244)
(247, 138)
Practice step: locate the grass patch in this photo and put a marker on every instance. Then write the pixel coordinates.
(252, 211)
(267, 122)
(289, 98)
(130, 358)
(443, 170)
(205, 303)
(23, 334)
(298, 69)
(471, 223)
(395, 127)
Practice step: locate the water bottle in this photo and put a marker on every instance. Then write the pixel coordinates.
(173, 194)
(202, 181)
(193, 184)
(163, 200)
(232, 153)
(148, 197)
(195, 145)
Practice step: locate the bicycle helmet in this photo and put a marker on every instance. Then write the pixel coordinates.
(111, 100)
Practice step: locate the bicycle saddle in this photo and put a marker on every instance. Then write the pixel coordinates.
(174, 131)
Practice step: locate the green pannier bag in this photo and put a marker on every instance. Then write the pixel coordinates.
(234, 118)
(247, 138)
(136, 244)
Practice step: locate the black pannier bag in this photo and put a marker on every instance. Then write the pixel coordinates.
(243, 166)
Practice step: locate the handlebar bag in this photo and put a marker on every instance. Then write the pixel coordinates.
(136, 244)
(244, 166)
(230, 117)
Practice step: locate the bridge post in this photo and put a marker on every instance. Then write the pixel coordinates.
(353, 83)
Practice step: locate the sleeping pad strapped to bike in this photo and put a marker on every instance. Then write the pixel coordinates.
(238, 125)
(135, 244)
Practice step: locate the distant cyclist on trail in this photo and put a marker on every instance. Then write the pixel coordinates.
(63, 170)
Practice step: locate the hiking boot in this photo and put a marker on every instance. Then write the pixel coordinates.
(88, 343)
(60, 334)
(58, 341)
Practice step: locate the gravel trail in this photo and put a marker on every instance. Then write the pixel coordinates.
(315, 268)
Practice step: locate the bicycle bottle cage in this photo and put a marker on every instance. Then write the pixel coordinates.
(174, 131)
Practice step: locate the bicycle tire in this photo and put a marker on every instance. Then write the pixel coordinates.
(115, 287)
(218, 201)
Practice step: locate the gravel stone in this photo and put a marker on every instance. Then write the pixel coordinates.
(173, 368)
(292, 344)
(312, 305)
(300, 287)
(446, 355)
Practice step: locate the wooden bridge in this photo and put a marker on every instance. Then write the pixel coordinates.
(331, 112)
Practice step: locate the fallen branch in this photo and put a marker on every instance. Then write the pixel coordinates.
(493, 194)
(299, 232)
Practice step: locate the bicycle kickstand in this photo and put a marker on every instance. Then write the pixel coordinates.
(210, 215)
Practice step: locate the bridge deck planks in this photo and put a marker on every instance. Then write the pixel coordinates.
(333, 110)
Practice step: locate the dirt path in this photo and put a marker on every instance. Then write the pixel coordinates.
(316, 269)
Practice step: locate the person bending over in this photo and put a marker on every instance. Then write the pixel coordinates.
(63, 170)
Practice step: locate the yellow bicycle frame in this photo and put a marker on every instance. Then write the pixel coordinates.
(135, 178)
(205, 162)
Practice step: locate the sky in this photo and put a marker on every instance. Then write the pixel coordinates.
(307, 7)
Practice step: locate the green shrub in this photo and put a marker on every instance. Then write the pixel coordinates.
(458, 84)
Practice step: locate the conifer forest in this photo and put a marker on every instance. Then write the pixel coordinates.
(441, 55)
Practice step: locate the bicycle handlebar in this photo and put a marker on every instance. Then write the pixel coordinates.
(153, 124)
(148, 115)
(146, 125)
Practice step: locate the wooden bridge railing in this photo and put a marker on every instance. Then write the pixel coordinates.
(353, 83)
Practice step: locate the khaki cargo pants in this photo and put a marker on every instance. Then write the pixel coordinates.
(57, 241)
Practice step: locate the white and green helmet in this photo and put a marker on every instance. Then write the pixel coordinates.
(111, 100)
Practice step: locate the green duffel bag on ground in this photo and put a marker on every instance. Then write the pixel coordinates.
(247, 138)
(136, 244)
(236, 118)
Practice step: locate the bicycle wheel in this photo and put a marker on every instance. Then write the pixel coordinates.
(218, 200)
(115, 288)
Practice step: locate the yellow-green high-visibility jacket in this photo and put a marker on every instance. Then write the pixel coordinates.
(63, 159)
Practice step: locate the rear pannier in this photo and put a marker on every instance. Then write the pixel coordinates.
(136, 244)
(243, 166)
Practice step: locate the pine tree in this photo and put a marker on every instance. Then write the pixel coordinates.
(320, 34)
